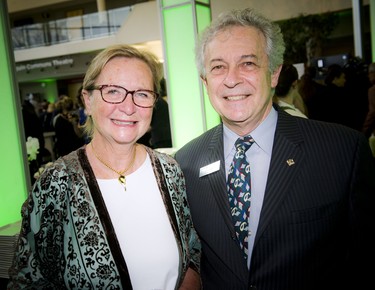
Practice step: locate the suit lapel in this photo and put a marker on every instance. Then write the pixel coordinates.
(219, 191)
(218, 179)
(287, 157)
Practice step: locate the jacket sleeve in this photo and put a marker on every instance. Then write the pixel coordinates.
(38, 257)
(194, 243)
(187, 229)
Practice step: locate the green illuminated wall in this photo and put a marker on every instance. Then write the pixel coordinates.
(191, 113)
(13, 173)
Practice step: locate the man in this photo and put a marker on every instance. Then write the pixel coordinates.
(312, 208)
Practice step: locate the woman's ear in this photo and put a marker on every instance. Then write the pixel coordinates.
(87, 101)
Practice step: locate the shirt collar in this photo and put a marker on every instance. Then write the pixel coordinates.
(263, 135)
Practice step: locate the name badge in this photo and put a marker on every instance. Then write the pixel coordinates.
(210, 168)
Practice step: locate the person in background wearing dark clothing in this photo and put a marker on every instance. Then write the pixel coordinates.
(306, 218)
(159, 133)
(46, 116)
(311, 92)
(368, 127)
(335, 106)
(33, 128)
(68, 133)
(31, 122)
(356, 88)
(160, 125)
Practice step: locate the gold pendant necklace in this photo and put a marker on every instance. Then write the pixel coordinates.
(121, 174)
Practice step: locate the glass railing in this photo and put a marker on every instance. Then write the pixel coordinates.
(69, 29)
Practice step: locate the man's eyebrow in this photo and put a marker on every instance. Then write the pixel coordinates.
(245, 56)
(249, 56)
(242, 57)
(216, 59)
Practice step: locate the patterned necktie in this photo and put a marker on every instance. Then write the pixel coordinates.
(239, 191)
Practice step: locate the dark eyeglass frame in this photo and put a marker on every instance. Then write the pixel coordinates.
(127, 92)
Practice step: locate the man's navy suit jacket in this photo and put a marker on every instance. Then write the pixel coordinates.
(317, 222)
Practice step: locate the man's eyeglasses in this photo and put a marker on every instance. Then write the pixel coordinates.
(114, 94)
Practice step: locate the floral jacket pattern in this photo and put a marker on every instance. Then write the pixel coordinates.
(67, 240)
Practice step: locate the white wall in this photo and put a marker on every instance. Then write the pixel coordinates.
(274, 9)
(282, 9)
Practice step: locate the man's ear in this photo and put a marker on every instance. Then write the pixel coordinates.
(204, 80)
(275, 76)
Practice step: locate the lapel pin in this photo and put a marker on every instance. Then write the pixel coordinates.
(290, 162)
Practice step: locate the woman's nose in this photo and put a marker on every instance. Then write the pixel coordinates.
(128, 105)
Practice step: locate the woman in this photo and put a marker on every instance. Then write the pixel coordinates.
(112, 214)
(286, 92)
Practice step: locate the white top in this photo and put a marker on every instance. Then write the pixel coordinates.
(291, 109)
(143, 229)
